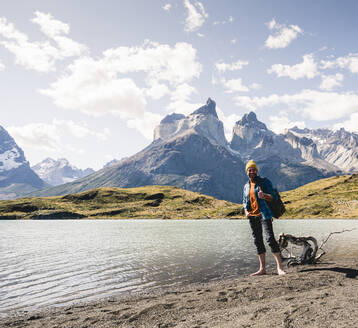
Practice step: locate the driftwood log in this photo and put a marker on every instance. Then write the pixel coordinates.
(309, 252)
(309, 249)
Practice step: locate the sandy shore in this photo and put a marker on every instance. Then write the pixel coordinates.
(323, 295)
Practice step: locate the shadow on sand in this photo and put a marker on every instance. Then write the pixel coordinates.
(350, 273)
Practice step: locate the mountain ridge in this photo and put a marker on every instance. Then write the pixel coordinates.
(16, 176)
(334, 197)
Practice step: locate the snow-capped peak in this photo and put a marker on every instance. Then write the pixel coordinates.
(56, 172)
(8, 160)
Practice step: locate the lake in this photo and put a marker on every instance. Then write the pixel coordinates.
(59, 262)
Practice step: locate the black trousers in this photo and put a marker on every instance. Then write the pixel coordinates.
(257, 223)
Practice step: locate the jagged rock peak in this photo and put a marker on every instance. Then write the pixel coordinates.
(251, 120)
(172, 118)
(298, 130)
(208, 109)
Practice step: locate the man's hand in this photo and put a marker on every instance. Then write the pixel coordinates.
(264, 196)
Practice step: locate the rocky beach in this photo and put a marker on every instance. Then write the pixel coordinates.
(321, 295)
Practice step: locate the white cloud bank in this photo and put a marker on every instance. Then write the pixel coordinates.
(100, 87)
(196, 15)
(283, 35)
(317, 105)
(47, 136)
(306, 69)
(106, 85)
(96, 87)
(40, 56)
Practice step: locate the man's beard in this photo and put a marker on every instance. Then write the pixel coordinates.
(254, 179)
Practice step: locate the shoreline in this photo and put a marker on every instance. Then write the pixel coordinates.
(308, 296)
(175, 219)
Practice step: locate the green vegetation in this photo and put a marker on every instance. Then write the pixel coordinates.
(335, 197)
(151, 202)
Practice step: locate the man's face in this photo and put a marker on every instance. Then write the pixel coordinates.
(252, 173)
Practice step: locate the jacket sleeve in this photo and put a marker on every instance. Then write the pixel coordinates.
(245, 198)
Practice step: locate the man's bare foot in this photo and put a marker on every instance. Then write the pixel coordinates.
(258, 273)
(280, 272)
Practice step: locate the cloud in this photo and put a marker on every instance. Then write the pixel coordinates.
(167, 7)
(37, 135)
(177, 64)
(50, 26)
(234, 85)
(236, 66)
(95, 94)
(54, 29)
(48, 136)
(306, 69)
(80, 130)
(229, 20)
(183, 92)
(100, 87)
(96, 87)
(40, 56)
(196, 15)
(280, 123)
(283, 35)
(228, 121)
(180, 100)
(255, 86)
(331, 81)
(145, 124)
(156, 90)
(349, 125)
(2, 66)
(317, 105)
(349, 62)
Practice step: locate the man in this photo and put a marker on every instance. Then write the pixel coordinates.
(260, 216)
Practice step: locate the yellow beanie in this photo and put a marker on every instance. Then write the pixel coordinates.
(251, 163)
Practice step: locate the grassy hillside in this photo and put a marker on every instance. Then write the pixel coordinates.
(149, 202)
(335, 197)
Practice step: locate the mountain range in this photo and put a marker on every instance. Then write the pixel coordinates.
(192, 152)
(57, 172)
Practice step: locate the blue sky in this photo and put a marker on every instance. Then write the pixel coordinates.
(90, 80)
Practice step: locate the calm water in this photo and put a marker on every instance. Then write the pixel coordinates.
(51, 263)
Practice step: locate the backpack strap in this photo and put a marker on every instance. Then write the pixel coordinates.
(262, 184)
